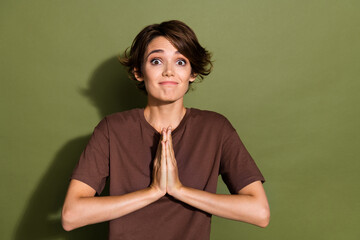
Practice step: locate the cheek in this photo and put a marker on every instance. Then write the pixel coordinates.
(152, 72)
(187, 77)
(184, 72)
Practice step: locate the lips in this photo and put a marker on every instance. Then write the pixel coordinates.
(168, 83)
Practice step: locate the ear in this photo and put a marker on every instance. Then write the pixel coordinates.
(193, 77)
(138, 75)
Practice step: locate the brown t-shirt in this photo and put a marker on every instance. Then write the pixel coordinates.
(123, 147)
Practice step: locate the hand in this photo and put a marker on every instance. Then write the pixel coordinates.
(159, 169)
(173, 182)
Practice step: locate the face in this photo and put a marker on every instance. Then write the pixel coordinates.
(166, 72)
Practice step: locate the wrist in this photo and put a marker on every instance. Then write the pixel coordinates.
(155, 192)
(177, 191)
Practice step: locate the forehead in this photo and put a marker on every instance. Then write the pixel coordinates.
(160, 43)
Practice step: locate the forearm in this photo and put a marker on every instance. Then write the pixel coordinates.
(240, 207)
(81, 211)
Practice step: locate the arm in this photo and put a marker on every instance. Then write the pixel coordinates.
(249, 205)
(81, 207)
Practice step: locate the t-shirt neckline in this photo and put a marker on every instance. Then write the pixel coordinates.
(153, 130)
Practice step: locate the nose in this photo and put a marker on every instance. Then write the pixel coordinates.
(168, 70)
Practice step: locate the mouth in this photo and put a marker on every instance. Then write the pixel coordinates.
(168, 83)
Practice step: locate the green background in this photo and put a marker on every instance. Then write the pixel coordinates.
(286, 75)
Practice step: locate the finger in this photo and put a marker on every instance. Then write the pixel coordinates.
(163, 153)
(169, 130)
(168, 159)
(163, 134)
(169, 156)
(169, 136)
(171, 147)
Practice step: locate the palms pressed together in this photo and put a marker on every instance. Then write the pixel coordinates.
(165, 171)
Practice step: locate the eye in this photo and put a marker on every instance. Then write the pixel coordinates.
(181, 62)
(155, 61)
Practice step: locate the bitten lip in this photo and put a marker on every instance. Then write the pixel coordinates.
(168, 83)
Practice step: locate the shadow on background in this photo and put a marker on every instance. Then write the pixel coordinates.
(109, 91)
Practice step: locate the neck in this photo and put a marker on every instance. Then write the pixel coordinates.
(164, 115)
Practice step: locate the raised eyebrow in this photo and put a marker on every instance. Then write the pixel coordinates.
(159, 50)
(154, 51)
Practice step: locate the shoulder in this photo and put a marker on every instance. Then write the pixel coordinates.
(124, 117)
(120, 119)
(211, 118)
(210, 115)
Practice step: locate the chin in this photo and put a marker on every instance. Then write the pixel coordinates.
(167, 100)
(166, 97)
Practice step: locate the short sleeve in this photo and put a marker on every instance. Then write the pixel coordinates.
(93, 165)
(237, 167)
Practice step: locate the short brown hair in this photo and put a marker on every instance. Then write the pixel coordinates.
(181, 36)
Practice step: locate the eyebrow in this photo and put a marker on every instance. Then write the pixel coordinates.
(158, 50)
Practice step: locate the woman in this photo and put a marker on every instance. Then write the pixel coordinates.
(163, 161)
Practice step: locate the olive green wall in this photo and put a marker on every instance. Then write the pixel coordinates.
(286, 75)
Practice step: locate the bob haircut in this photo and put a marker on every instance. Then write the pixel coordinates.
(181, 36)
